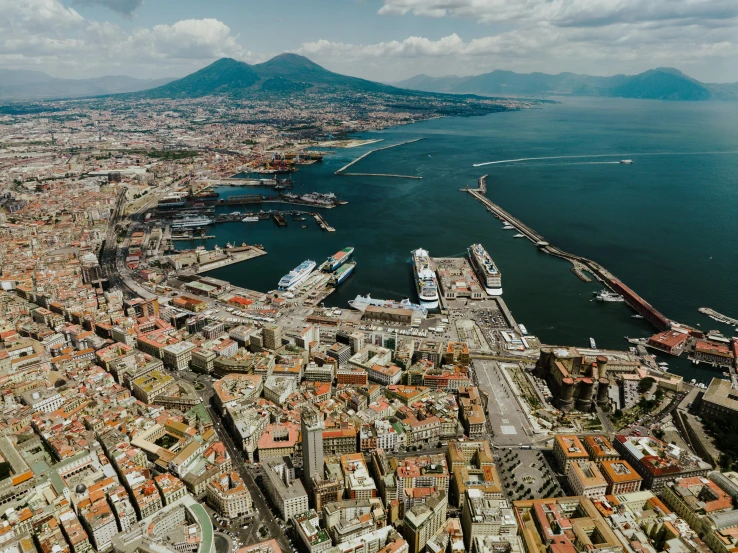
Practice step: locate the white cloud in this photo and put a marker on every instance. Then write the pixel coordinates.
(594, 36)
(46, 35)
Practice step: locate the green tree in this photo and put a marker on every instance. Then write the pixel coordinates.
(645, 385)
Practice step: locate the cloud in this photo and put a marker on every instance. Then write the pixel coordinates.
(123, 7)
(45, 34)
(594, 36)
(565, 13)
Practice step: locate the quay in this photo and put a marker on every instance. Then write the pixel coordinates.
(580, 264)
(194, 237)
(322, 223)
(231, 257)
(256, 199)
(719, 317)
(342, 170)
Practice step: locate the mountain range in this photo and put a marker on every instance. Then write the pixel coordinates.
(283, 74)
(663, 83)
(34, 85)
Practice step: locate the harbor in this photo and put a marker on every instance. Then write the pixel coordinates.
(580, 264)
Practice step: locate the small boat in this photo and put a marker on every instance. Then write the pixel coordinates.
(250, 220)
(519, 236)
(507, 226)
(636, 316)
(592, 343)
(304, 226)
(626, 161)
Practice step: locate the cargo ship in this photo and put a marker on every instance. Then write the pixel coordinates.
(337, 259)
(190, 222)
(296, 275)
(488, 273)
(342, 273)
(360, 303)
(425, 279)
(171, 202)
(209, 196)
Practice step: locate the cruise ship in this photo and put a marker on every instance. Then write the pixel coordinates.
(337, 259)
(488, 273)
(296, 275)
(342, 273)
(360, 303)
(191, 222)
(425, 279)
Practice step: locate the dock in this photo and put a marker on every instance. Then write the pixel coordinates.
(322, 223)
(342, 170)
(231, 258)
(183, 238)
(719, 317)
(581, 265)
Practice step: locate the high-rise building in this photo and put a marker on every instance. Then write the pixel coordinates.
(272, 336)
(312, 445)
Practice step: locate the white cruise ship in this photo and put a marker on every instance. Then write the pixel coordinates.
(425, 279)
(191, 222)
(296, 275)
(486, 270)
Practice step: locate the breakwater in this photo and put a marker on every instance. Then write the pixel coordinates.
(342, 170)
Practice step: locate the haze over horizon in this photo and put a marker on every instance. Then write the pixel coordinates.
(381, 40)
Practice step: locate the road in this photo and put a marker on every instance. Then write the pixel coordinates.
(264, 516)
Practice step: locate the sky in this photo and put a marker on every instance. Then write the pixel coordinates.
(382, 40)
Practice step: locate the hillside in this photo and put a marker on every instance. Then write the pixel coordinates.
(283, 74)
(35, 85)
(658, 84)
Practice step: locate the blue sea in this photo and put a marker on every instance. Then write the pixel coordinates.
(666, 225)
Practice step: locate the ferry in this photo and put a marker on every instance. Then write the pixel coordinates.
(626, 161)
(425, 279)
(360, 303)
(250, 219)
(296, 275)
(606, 295)
(337, 259)
(342, 273)
(486, 269)
(190, 222)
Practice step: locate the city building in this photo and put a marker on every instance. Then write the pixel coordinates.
(621, 477)
(482, 516)
(228, 496)
(585, 479)
(311, 426)
(424, 520)
(285, 491)
(568, 448)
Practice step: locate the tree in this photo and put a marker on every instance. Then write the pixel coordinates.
(645, 385)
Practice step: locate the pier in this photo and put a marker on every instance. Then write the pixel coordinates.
(342, 170)
(231, 258)
(322, 223)
(719, 317)
(580, 264)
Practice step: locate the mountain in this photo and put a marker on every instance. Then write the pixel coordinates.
(663, 83)
(35, 85)
(283, 74)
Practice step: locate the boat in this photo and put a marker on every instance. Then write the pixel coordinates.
(507, 226)
(607, 295)
(523, 330)
(425, 279)
(250, 219)
(626, 161)
(296, 275)
(592, 343)
(485, 269)
(636, 316)
(342, 273)
(171, 202)
(279, 219)
(190, 222)
(519, 236)
(337, 259)
(360, 303)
